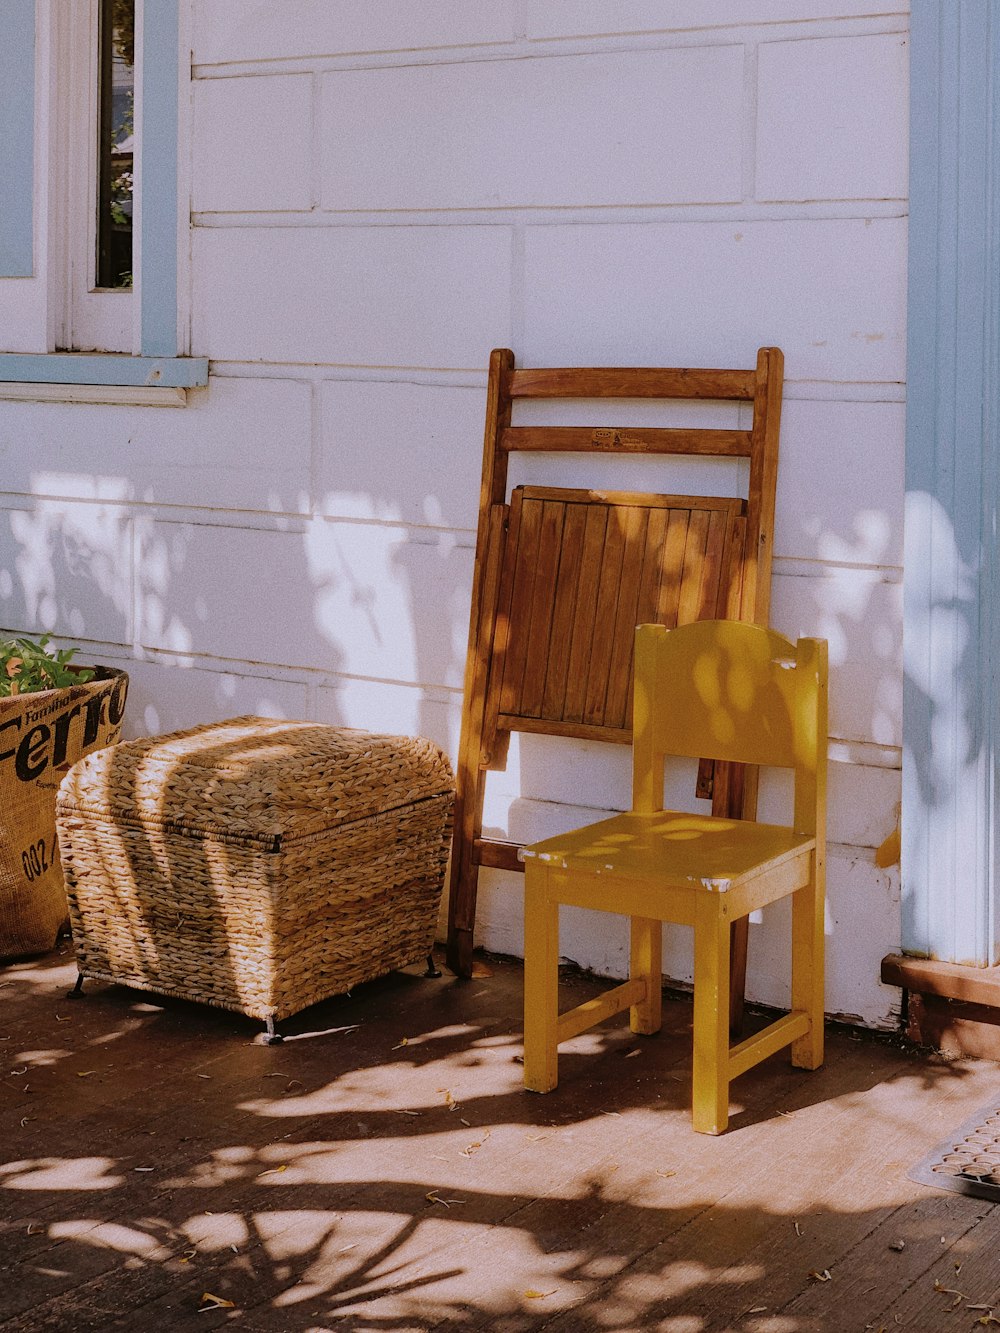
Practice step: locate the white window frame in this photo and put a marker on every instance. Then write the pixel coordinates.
(87, 318)
(153, 365)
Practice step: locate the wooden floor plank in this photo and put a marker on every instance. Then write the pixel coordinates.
(871, 1281)
(395, 1175)
(965, 1272)
(745, 1236)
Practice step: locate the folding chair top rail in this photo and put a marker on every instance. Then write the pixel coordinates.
(628, 440)
(631, 382)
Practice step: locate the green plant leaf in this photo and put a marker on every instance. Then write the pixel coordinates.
(27, 666)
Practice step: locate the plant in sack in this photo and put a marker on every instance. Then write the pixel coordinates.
(52, 713)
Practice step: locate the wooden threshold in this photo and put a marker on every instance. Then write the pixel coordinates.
(949, 1007)
(951, 981)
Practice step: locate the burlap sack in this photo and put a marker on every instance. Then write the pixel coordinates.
(41, 735)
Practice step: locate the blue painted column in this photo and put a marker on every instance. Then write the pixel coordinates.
(952, 573)
(17, 137)
(159, 150)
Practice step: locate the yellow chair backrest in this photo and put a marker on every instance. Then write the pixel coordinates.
(732, 691)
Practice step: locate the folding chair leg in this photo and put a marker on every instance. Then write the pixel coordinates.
(460, 939)
(464, 871)
(541, 981)
(647, 963)
(470, 774)
(710, 1071)
(734, 796)
(808, 947)
(739, 939)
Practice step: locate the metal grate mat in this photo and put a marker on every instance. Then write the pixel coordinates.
(967, 1162)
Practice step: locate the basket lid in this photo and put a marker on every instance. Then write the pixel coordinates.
(254, 779)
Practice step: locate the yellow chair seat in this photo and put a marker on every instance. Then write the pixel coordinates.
(680, 850)
(726, 691)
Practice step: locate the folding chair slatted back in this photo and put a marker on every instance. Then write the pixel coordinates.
(563, 576)
(582, 569)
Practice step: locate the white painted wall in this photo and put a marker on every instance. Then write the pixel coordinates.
(383, 192)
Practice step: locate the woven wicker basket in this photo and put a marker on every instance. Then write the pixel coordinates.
(254, 864)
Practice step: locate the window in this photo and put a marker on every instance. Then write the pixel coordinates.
(17, 140)
(115, 144)
(90, 215)
(95, 140)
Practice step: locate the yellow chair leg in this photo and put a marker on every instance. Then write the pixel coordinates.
(710, 1072)
(808, 946)
(541, 981)
(646, 962)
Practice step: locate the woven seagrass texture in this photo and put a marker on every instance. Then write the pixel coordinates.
(256, 865)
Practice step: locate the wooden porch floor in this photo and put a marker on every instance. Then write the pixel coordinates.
(384, 1170)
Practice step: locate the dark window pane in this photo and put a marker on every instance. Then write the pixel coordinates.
(116, 122)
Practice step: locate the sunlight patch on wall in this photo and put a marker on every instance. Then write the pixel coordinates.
(82, 486)
(71, 571)
(873, 533)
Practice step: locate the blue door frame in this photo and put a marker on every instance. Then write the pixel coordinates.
(951, 579)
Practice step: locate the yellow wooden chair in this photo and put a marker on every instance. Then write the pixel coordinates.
(726, 691)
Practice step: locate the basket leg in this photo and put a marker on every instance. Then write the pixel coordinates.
(272, 1036)
(432, 968)
(77, 990)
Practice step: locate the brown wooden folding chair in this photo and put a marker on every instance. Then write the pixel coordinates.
(562, 577)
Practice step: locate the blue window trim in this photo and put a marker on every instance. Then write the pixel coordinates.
(158, 363)
(177, 372)
(951, 639)
(158, 205)
(17, 115)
